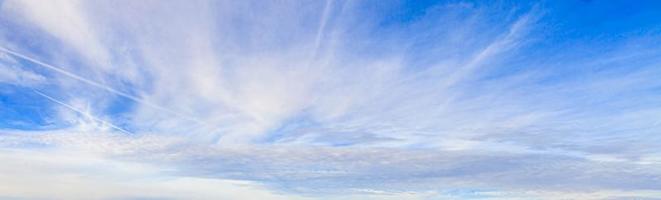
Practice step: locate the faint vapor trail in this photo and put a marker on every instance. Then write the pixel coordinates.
(322, 25)
(99, 85)
(80, 111)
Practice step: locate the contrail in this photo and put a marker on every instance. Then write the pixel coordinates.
(322, 24)
(98, 85)
(80, 111)
(312, 56)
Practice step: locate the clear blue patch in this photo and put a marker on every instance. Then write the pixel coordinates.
(22, 109)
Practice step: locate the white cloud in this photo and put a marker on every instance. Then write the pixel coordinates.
(41, 173)
(10, 73)
(20, 77)
(66, 20)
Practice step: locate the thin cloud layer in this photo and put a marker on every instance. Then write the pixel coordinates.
(329, 100)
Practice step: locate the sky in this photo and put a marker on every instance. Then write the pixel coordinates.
(339, 100)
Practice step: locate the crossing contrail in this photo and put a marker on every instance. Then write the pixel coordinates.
(81, 112)
(99, 85)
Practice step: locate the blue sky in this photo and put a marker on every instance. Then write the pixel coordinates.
(330, 99)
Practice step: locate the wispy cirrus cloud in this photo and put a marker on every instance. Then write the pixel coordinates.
(315, 99)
